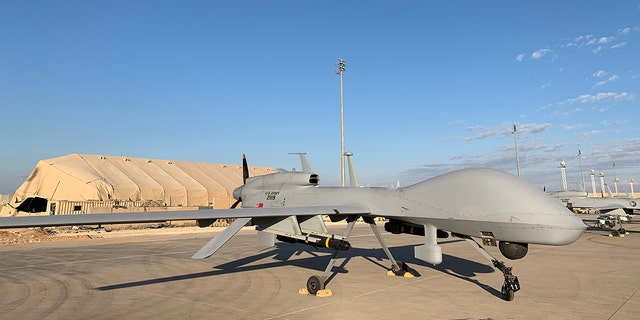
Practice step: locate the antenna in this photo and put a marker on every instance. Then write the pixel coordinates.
(303, 161)
(353, 180)
(340, 71)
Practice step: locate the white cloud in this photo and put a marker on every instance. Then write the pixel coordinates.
(587, 98)
(481, 135)
(600, 73)
(604, 40)
(566, 113)
(544, 107)
(540, 53)
(618, 45)
(625, 30)
(570, 127)
(610, 79)
(520, 57)
(505, 129)
(473, 128)
(535, 127)
(590, 133)
(607, 123)
(581, 41)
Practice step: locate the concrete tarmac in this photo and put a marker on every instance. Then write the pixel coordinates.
(153, 277)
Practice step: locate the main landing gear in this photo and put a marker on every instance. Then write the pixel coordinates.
(316, 284)
(511, 283)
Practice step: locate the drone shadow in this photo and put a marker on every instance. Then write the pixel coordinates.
(287, 254)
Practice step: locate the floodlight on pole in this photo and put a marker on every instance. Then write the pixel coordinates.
(615, 178)
(563, 172)
(340, 71)
(584, 187)
(515, 142)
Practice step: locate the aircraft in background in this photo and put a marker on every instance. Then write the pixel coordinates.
(580, 202)
(496, 207)
(613, 220)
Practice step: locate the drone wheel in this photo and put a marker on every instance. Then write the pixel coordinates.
(507, 294)
(315, 284)
(402, 268)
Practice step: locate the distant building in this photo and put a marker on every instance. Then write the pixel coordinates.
(85, 183)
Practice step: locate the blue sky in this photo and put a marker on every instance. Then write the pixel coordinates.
(429, 86)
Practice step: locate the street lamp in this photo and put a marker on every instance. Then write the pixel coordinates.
(515, 142)
(340, 71)
(584, 186)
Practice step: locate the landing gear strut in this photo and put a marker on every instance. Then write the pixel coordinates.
(316, 284)
(511, 283)
(398, 268)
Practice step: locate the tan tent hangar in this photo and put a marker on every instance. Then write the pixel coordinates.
(105, 181)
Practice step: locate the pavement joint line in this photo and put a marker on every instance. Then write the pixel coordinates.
(623, 303)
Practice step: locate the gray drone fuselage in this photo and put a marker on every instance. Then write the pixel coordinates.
(475, 202)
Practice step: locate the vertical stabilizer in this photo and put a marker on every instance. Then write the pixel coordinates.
(303, 160)
(353, 180)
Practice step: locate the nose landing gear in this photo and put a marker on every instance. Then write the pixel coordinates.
(511, 283)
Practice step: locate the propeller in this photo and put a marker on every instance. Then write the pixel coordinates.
(245, 175)
(245, 169)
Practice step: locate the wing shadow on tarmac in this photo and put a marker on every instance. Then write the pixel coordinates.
(286, 254)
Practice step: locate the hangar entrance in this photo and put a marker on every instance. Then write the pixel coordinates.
(33, 205)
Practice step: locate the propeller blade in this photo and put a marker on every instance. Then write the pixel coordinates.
(245, 176)
(245, 169)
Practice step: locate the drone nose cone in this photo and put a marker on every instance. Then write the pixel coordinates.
(517, 210)
(570, 232)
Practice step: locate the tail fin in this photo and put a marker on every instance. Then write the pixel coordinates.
(303, 160)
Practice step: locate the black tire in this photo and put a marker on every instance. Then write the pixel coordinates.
(507, 294)
(315, 284)
(402, 268)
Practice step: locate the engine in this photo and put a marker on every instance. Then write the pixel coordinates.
(513, 250)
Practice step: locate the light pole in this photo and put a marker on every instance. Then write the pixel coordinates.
(340, 71)
(563, 171)
(584, 186)
(515, 142)
(615, 178)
